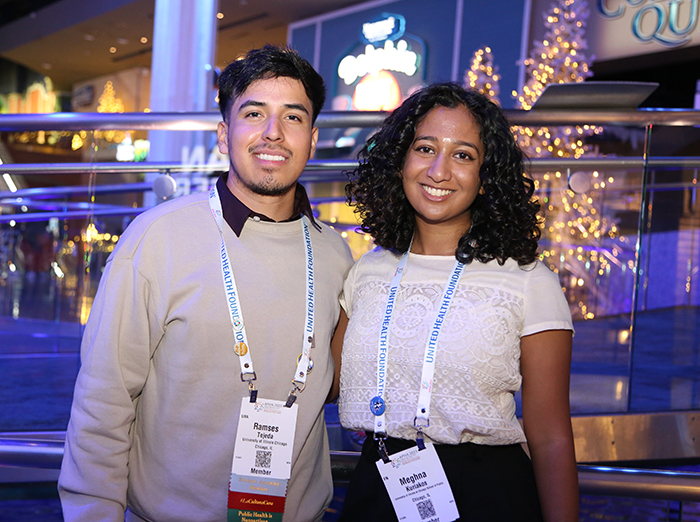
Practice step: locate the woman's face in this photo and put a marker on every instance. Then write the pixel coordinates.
(441, 171)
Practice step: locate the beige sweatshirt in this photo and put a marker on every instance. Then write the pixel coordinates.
(156, 401)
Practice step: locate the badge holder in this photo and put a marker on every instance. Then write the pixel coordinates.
(417, 485)
(263, 448)
(414, 478)
(262, 461)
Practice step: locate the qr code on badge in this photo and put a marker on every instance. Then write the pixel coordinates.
(426, 509)
(263, 459)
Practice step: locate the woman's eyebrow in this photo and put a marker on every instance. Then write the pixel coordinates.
(456, 142)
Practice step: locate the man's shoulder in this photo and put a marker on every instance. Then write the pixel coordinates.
(173, 217)
(175, 207)
(327, 233)
(332, 238)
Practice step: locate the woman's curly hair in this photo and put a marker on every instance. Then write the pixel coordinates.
(504, 218)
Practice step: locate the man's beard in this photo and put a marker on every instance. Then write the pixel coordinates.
(268, 187)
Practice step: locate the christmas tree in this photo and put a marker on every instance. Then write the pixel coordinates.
(579, 240)
(559, 58)
(483, 75)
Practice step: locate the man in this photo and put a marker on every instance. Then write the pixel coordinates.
(207, 301)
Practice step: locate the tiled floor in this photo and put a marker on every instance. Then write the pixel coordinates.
(39, 361)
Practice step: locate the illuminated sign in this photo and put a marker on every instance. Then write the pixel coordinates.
(377, 92)
(383, 67)
(387, 27)
(37, 99)
(83, 96)
(373, 60)
(667, 23)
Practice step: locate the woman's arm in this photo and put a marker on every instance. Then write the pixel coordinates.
(336, 350)
(546, 366)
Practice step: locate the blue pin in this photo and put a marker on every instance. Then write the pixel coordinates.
(377, 406)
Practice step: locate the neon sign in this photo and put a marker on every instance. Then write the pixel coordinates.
(385, 28)
(668, 23)
(378, 92)
(387, 58)
(384, 65)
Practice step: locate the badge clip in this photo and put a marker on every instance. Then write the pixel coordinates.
(291, 398)
(251, 387)
(419, 440)
(383, 453)
(253, 378)
(419, 436)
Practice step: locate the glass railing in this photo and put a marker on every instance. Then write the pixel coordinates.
(621, 230)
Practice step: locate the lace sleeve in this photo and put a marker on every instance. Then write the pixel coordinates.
(545, 305)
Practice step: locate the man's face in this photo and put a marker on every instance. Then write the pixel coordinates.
(268, 137)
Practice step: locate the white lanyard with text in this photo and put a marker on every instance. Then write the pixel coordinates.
(378, 403)
(241, 348)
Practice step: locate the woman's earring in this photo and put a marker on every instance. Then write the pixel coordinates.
(472, 242)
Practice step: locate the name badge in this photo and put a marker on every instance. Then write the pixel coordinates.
(262, 461)
(418, 487)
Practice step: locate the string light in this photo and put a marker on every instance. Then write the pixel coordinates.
(580, 244)
(107, 103)
(575, 222)
(483, 75)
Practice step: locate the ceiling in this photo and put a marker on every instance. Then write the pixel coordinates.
(69, 50)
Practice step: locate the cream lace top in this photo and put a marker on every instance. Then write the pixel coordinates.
(478, 355)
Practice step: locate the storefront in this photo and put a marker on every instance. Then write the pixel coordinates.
(407, 43)
(642, 40)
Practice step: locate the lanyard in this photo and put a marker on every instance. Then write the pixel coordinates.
(378, 403)
(241, 347)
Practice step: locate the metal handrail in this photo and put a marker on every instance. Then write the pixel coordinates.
(335, 119)
(44, 450)
(14, 198)
(185, 121)
(115, 211)
(155, 166)
(537, 165)
(316, 171)
(639, 483)
(77, 190)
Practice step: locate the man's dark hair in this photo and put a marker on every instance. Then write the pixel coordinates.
(267, 63)
(504, 218)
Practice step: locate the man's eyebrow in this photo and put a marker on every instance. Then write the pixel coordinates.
(251, 103)
(255, 103)
(297, 106)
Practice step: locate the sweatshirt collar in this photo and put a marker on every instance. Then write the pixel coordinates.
(237, 213)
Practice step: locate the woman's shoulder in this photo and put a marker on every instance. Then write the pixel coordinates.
(374, 263)
(537, 267)
(378, 256)
(513, 275)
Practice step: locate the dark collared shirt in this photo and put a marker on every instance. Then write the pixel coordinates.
(236, 213)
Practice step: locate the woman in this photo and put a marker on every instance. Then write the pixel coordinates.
(455, 288)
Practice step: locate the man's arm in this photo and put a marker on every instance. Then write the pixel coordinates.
(545, 366)
(336, 351)
(115, 357)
